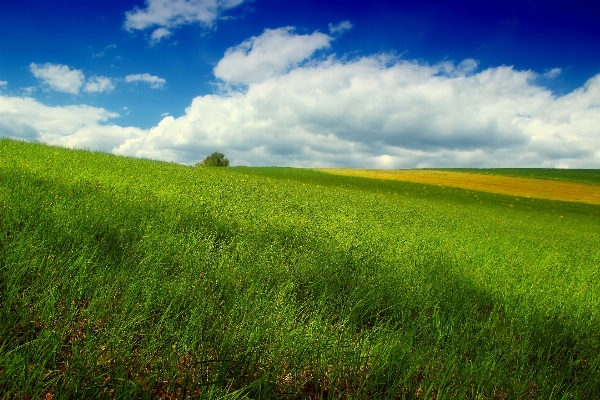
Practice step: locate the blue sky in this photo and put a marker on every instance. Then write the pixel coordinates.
(369, 84)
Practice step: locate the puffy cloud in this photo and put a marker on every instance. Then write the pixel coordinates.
(99, 84)
(376, 111)
(567, 127)
(168, 14)
(63, 79)
(58, 77)
(383, 112)
(272, 53)
(3, 84)
(73, 126)
(154, 81)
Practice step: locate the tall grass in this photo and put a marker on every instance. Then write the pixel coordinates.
(122, 277)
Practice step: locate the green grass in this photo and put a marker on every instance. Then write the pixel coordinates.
(589, 176)
(134, 278)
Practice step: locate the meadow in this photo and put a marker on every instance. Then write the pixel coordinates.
(126, 278)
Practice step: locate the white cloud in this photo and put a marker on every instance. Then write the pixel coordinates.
(58, 77)
(99, 84)
(3, 84)
(340, 28)
(74, 126)
(159, 34)
(154, 81)
(63, 79)
(169, 14)
(272, 53)
(552, 73)
(374, 112)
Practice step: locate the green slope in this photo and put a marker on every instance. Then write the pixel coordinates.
(140, 278)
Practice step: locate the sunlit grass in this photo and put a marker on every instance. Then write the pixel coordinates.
(133, 278)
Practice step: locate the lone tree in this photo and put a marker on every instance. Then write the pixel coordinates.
(214, 160)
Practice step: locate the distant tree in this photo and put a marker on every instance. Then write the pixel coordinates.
(214, 160)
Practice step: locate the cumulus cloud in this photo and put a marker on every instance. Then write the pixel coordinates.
(270, 54)
(58, 77)
(99, 84)
(73, 126)
(3, 84)
(165, 15)
(377, 111)
(154, 81)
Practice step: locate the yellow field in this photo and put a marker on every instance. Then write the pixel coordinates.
(522, 187)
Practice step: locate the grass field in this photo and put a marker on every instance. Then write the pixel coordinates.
(134, 278)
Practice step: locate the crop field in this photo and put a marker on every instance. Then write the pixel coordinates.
(550, 185)
(589, 176)
(124, 278)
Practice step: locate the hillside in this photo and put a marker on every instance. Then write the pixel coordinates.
(136, 278)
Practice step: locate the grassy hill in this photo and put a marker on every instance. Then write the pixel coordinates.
(135, 278)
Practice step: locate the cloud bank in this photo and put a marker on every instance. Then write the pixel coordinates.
(72, 126)
(166, 15)
(377, 111)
